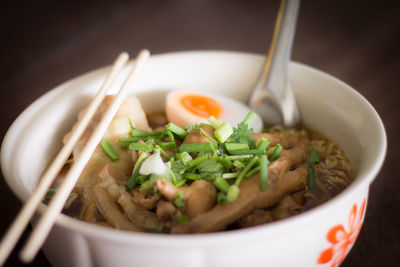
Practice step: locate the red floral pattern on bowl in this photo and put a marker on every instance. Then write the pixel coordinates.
(342, 239)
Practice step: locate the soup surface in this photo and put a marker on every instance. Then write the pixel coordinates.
(150, 175)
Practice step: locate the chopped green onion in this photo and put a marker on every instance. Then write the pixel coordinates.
(214, 122)
(197, 161)
(238, 164)
(149, 183)
(139, 133)
(192, 176)
(133, 181)
(141, 147)
(221, 197)
(223, 132)
(314, 158)
(252, 172)
(124, 146)
(264, 172)
(250, 117)
(161, 135)
(230, 175)
(50, 192)
(150, 141)
(252, 162)
(233, 193)
(162, 152)
(172, 138)
(130, 123)
(235, 157)
(227, 162)
(129, 139)
(170, 135)
(198, 147)
(184, 157)
(178, 200)
(247, 152)
(180, 183)
(275, 152)
(181, 219)
(142, 178)
(221, 184)
(208, 136)
(181, 133)
(109, 150)
(231, 147)
(166, 145)
(263, 144)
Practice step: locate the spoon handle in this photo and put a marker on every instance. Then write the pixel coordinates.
(273, 97)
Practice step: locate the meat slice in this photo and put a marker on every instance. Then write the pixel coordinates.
(287, 140)
(147, 200)
(139, 216)
(195, 136)
(199, 197)
(166, 211)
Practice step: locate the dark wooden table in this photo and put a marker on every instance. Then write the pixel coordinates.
(46, 43)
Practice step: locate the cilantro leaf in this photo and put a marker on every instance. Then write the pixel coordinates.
(211, 166)
(178, 167)
(242, 134)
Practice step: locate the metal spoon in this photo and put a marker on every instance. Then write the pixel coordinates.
(273, 98)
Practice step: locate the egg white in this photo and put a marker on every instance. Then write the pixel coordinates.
(233, 111)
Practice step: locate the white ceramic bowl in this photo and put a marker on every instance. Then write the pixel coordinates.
(323, 235)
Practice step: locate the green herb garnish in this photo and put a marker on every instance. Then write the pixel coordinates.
(221, 184)
(178, 200)
(274, 152)
(264, 172)
(223, 132)
(178, 131)
(132, 182)
(314, 159)
(182, 218)
(221, 197)
(230, 155)
(141, 147)
(50, 193)
(139, 133)
(200, 147)
(109, 150)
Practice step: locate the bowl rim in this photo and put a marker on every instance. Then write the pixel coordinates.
(293, 222)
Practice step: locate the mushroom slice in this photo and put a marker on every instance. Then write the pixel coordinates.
(139, 216)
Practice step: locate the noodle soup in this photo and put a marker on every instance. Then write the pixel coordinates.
(205, 184)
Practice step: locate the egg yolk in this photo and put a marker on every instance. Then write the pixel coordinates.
(202, 106)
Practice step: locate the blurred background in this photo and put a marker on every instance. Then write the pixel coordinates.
(45, 43)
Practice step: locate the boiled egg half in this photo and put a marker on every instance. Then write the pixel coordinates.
(186, 108)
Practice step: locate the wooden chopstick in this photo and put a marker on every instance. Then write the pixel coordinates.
(47, 220)
(17, 227)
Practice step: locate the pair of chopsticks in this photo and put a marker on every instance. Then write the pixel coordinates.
(48, 218)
